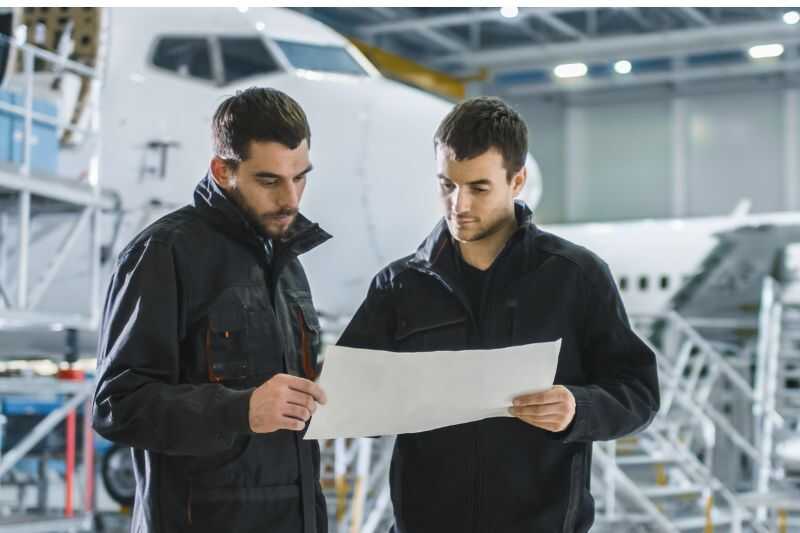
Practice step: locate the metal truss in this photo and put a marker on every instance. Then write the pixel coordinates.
(466, 42)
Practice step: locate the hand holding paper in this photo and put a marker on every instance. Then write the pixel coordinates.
(552, 409)
(373, 392)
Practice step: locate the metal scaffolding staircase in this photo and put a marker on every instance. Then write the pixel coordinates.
(44, 209)
(663, 478)
(354, 479)
(776, 496)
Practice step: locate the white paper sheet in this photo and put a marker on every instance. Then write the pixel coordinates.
(373, 392)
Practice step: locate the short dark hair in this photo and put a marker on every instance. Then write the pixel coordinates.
(478, 124)
(257, 114)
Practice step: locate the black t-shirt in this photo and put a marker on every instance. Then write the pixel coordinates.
(474, 280)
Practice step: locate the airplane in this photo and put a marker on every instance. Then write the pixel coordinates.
(652, 260)
(166, 70)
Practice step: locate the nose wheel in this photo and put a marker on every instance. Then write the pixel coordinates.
(117, 473)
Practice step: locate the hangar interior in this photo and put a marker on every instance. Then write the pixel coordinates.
(666, 140)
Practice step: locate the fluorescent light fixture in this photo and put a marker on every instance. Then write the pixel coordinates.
(243, 9)
(510, 11)
(623, 67)
(260, 26)
(762, 51)
(571, 70)
(791, 17)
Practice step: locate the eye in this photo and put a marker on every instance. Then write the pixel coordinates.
(299, 178)
(446, 185)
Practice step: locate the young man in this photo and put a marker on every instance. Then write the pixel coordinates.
(487, 277)
(209, 340)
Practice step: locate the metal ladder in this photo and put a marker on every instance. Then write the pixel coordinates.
(776, 498)
(354, 477)
(664, 478)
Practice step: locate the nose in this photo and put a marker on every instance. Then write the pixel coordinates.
(290, 195)
(462, 203)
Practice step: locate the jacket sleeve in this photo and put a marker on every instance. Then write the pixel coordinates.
(372, 326)
(138, 398)
(623, 393)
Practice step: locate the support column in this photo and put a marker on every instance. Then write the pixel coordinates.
(678, 144)
(791, 187)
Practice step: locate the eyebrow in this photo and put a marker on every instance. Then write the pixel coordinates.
(266, 174)
(482, 181)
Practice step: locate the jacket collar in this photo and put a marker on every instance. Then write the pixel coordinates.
(438, 252)
(209, 199)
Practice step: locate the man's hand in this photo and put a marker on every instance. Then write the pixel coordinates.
(552, 409)
(284, 402)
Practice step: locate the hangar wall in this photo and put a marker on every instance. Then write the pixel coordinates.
(660, 153)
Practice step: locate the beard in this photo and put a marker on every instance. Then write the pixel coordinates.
(477, 232)
(260, 221)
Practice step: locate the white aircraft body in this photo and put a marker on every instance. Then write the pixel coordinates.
(651, 259)
(373, 186)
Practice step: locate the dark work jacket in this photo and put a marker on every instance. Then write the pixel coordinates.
(502, 475)
(196, 317)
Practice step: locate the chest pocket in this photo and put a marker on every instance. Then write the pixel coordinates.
(307, 333)
(241, 336)
(226, 355)
(436, 326)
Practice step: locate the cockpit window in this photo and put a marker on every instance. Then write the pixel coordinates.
(243, 57)
(186, 56)
(321, 58)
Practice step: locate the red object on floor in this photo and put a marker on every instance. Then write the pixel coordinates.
(70, 374)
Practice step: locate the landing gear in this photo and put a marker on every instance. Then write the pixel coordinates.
(118, 477)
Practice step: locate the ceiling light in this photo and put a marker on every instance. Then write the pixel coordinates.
(243, 9)
(791, 17)
(571, 70)
(260, 26)
(766, 50)
(509, 12)
(623, 67)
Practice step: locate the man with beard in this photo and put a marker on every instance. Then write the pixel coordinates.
(209, 341)
(485, 278)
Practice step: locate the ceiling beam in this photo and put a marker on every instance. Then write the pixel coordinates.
(696, 15)
(442, 39)
(458, 19)
(450, 43)
(522, 26)
(561, 26)
(635, 13)
(662, 43)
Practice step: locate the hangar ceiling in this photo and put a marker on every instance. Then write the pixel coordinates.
(520, 53)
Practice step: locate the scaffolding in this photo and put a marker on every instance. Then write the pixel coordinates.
(27, 279)
(26, 193)
(75, 515)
